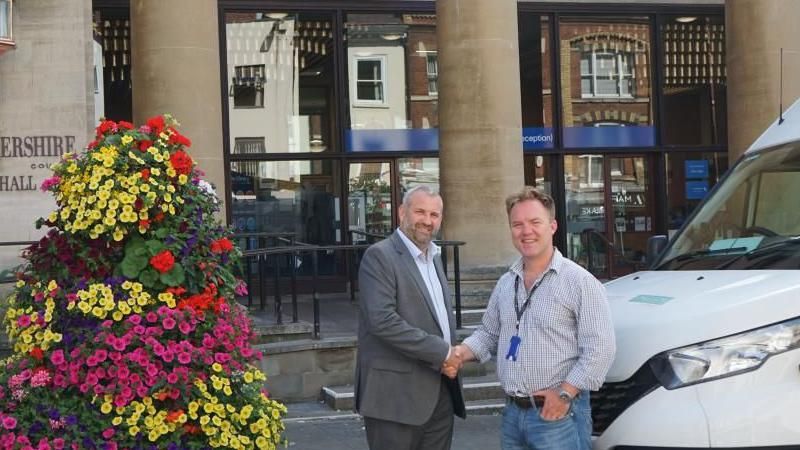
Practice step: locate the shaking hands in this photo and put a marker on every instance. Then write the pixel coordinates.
(459, 354)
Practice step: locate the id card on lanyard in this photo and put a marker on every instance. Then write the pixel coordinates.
(516, 340)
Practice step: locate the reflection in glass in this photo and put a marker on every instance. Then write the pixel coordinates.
(414, 172)
(585, 205)
(694, 76)
(632, 201)
(536, 92)
(606, 82)
(5, 19)
(369, 200)
(690, 176)
(280, 81)
(300, 197)
(393, 72)
(538, 173)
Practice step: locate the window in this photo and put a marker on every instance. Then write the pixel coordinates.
(433, 73)
(371, 80)
(247, 87)
(5, 20)
(607, 74)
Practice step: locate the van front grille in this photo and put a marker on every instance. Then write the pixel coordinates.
(614, 398)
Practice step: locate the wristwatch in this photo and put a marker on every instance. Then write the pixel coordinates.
(564, 396)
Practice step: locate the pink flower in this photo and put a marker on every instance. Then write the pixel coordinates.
(168, 323)
(185, 327)
(9, 422)
(241, 288)
(57, 357)
(184, 358)
(23, 321)
(135, 319)
(108, 433)
(152, 317)
(58, 443)
(172, 378)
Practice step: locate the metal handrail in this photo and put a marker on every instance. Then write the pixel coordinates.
(264, 255)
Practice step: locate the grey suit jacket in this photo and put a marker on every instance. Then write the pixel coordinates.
(400, 344)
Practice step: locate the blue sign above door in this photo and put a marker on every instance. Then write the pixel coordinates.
(427, 139)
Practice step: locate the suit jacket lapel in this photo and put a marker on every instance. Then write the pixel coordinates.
(412, 268)
(437, 261)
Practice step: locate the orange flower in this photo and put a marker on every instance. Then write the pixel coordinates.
(173, 416)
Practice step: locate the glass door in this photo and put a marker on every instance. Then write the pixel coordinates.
(369, 201)
(632, 202)
(610, 207)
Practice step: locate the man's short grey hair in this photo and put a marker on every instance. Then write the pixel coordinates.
(421, 188)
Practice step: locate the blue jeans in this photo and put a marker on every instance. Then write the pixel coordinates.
(524, 429)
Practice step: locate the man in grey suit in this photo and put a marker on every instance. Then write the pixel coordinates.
(405, 336)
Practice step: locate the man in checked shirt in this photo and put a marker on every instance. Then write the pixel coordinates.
(548, 322)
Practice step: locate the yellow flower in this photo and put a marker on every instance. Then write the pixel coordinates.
(126, 140)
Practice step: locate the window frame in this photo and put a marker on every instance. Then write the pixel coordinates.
(382, 60)
(619, 74)
(259, 80)
(8, 19)
(433, 77)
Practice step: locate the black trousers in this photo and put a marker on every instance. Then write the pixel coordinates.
(435, 434)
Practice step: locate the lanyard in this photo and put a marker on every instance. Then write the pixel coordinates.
(521, 311)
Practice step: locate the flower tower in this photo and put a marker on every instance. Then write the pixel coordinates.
(124, 326)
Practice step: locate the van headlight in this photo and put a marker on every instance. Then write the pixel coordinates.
(724, 357)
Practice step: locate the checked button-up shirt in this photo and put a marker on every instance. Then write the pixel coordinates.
(566, 332)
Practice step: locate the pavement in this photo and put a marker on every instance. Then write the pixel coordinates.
(312, 426)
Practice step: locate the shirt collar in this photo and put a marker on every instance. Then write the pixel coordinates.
(433, 249)
(555, 264)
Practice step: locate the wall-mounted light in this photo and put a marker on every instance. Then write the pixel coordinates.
(685, 19)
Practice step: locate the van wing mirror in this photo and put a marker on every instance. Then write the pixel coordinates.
(655, 245)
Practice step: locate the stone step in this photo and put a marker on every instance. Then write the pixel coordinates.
(481, 392)
(471, 316)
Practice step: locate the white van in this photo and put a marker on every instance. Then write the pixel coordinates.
(708, 340)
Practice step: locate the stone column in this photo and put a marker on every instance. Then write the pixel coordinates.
(756, 30)
(175, 65)
(480, 136)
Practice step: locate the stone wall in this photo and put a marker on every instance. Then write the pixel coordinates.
(297, 370)
(46, 109)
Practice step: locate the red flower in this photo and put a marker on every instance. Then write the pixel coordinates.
(159, 217)
(138, 204)
(221, 245)
(177, 138)
(37, 353)
(156, 124)
(145, 144)
(125, 125)
(145, 174)
(104, 127)
(163, 262)
(181, 162)
(144, 224)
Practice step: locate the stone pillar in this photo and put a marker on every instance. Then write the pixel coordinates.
(756, 30)
(175, 69)
(480, 135)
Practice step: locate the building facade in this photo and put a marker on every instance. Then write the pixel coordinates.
(330, 111)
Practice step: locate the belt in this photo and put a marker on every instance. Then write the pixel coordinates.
(527, 402)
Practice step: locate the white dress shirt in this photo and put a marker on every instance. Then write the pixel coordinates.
(427, 270)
